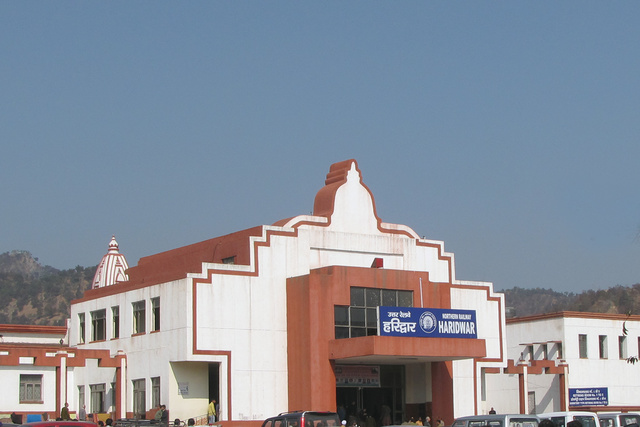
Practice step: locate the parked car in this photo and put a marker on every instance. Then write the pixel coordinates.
(497, 420)
(303, 419)
(619, 419)
(560, 419)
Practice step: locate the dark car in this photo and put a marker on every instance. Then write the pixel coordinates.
(303, 419)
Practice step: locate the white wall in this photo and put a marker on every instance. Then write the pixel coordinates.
(10, 390)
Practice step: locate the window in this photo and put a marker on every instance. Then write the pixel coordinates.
(544, 351)
(81, 328)
(530, 352)
(603, 347)
(361, 318)
(97, 398)
(98, 325)
(229, 260)
(113, 394)
(138, 317)
(155, 392)
(139, 407)
(30, 388)
(155, 311)
(582, 346)
(622, 347)
(115, 318)
(80, 396)
(559, 350)
(626, 419)
(532, 402)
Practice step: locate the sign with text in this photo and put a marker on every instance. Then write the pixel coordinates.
(357, 375)
(426, 322)
(589, 396)
(183, 389)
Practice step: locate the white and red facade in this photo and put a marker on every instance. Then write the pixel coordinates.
(250, 319)
(253, 320)
(552, 357)
(40, 357)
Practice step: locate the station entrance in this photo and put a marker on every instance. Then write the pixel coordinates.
(376, 389)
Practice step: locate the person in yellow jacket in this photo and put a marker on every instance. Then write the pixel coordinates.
(211, 411)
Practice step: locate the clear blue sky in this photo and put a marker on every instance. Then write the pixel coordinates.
(509, 130)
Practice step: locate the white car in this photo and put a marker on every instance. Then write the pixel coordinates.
(561, 419)
(619, 419)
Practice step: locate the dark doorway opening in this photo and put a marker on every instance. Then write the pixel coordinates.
(214, 381)
(388, 399)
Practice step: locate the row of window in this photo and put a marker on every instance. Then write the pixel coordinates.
(555, 352)
(31, 392)
(603, 346)
(360, 318)
(99, 321)
(544, 352)
(98, 403)
(140, 394)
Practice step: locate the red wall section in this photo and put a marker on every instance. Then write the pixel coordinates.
(312, 347)
(437, 348)
(442, 402)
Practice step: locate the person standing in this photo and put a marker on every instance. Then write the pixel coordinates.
(64, 414)
(211, 412)
(158, 415)
(164, 418)
(82, 413)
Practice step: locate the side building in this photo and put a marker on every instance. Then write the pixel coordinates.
(568, 361)
(321, 311)
(37, 369)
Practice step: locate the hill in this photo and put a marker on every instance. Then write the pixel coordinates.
(33, 294)
(616, 300)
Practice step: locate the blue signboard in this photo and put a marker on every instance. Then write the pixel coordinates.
(426, 322)
(589, 396)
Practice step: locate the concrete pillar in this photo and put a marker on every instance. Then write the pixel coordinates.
(523, 390)
(121, 386)
(564, 388)
(62, 381)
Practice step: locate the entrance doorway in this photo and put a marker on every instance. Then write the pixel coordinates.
(387, 399)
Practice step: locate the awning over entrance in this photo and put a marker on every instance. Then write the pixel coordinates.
(377, 349)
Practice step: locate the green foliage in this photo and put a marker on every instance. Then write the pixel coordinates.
(615, 300)
(36, 294)
(33, 294)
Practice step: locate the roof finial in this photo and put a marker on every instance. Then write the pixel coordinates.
(113, 245)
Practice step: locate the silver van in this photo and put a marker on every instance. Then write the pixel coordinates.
(497, 420)
(619, 419)
(560, 419)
